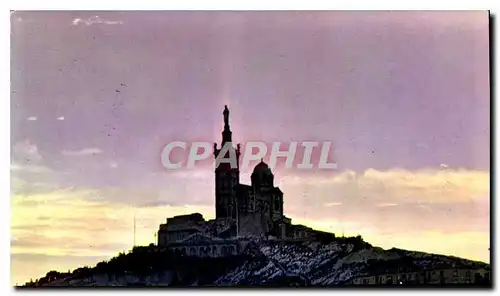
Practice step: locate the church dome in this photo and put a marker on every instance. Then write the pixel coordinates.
(262, 177)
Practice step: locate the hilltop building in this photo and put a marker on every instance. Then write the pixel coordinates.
(440, 275)
(240, 210)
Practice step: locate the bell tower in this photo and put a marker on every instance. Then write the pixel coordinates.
(227, 178)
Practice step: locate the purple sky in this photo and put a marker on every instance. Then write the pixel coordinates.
(402, 91)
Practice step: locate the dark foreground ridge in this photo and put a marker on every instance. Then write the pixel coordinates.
(266, 263)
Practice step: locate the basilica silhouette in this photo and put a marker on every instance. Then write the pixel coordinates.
(241, 211)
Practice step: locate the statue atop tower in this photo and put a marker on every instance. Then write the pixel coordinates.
(226, 117)
(226, 133)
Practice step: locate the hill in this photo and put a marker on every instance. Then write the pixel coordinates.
(263, 263)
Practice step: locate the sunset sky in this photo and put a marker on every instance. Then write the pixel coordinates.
(403, 97)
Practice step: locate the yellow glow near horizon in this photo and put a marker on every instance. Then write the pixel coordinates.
(470, 245)
(76, 229)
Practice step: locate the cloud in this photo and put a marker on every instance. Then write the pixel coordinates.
(443, 166)
(428, 199)
(60, 118)
(26, 152)
(383, 205)
(77, 222)
(333, 204)
(433, 186)
(82, 152)
(427, 208)
(178, 195)
(31, 168)
(94, 20)
(31, 118)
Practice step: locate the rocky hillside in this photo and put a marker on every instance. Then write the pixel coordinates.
(264, 263)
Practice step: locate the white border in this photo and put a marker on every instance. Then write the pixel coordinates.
(252, 5)
(5, 147)
(186, 5)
